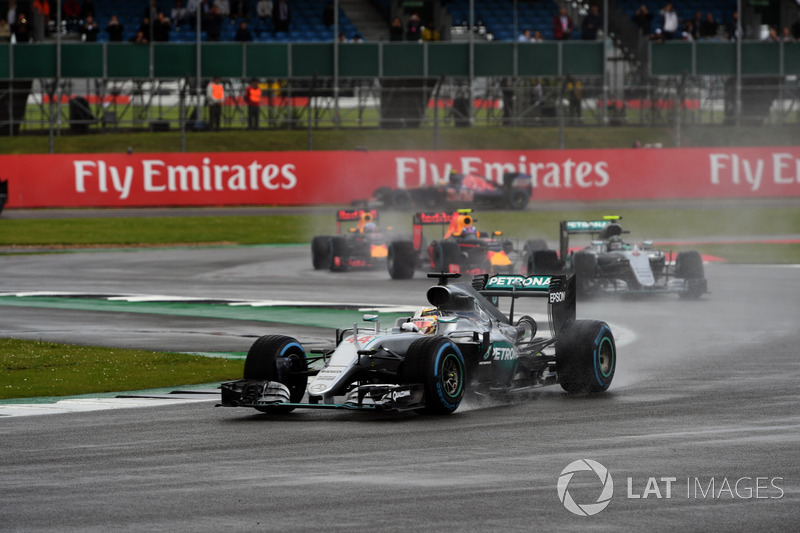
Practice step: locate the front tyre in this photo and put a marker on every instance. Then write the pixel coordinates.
(278, 358)
(518, 199)
(586, 356)
(436, 363)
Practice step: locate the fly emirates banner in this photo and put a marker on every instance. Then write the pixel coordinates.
(302, 178)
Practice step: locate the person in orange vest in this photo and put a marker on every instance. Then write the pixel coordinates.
(215, 95)
(252, 97)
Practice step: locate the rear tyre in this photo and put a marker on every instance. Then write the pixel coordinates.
(586, 356)
(518, 199)
(383, 195)
(320, 252)
(401, 199)
(401, 260)
(337, 259)
(531, 246)
(444, 253)
(273, 358)
(585, 266)
(436, 363)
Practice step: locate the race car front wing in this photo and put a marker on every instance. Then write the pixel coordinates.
(373, 397)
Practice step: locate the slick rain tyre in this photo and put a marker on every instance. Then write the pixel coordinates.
(321, 252)
(586, 356)
(436, 363)
(266, 361)
(401, 260)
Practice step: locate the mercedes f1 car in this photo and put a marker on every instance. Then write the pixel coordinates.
(427, 362)
(462, 249)
(361, 246)
(459, 190)
(613, 265)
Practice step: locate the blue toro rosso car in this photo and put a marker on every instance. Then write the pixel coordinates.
(459, 343)
(458, 190)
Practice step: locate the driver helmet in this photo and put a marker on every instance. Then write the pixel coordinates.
(370, 227)
(615, 243)
(425, 319)
(469, 231)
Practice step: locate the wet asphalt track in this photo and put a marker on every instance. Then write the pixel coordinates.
(707, 392)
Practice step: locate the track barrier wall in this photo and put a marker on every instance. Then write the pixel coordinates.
(339, 177)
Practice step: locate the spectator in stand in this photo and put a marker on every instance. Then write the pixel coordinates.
(213, 24)
(215, 95)
(70, 14)
(591, 23)
(87, 8)
(252, 97)
(191, 12)
(772, 36)
(670, 23)
(537, 37)
(90, 29)
(239, 10)
(562, 25)
(281, 16)
(525, 36)
(357, 38)
(342, 37)
(786, 36)
(161, 28)
(41, 18)
(11, 14)
(224, 7)
(396, 31)
(114, 30)
(264, 10)
(688, 31)
(243, 33)
(697, 25)
(328, 13)
(709, 27)
(144, 27)
(643, 20)
(21, 30)
(429, 33)
(179, 14)
(5, 31)
(414, 27)
(732, 31)
(139, 38)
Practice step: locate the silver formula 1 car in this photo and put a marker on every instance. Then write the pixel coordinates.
(427, 362)
(611, 264)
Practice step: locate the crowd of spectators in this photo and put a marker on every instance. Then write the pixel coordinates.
(243, 20)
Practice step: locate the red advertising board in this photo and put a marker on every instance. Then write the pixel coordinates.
(298, 178)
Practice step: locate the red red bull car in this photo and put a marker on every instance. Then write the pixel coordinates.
(462, 248)
(460, 190)
(361, 245)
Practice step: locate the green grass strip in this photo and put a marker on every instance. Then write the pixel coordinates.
(47, 369)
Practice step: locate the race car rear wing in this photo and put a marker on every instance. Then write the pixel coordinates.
(359, 216)
(431, 218)
(559, 291)
(603, 229)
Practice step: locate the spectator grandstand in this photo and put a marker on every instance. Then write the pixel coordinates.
(496, 18)
(307, 24)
